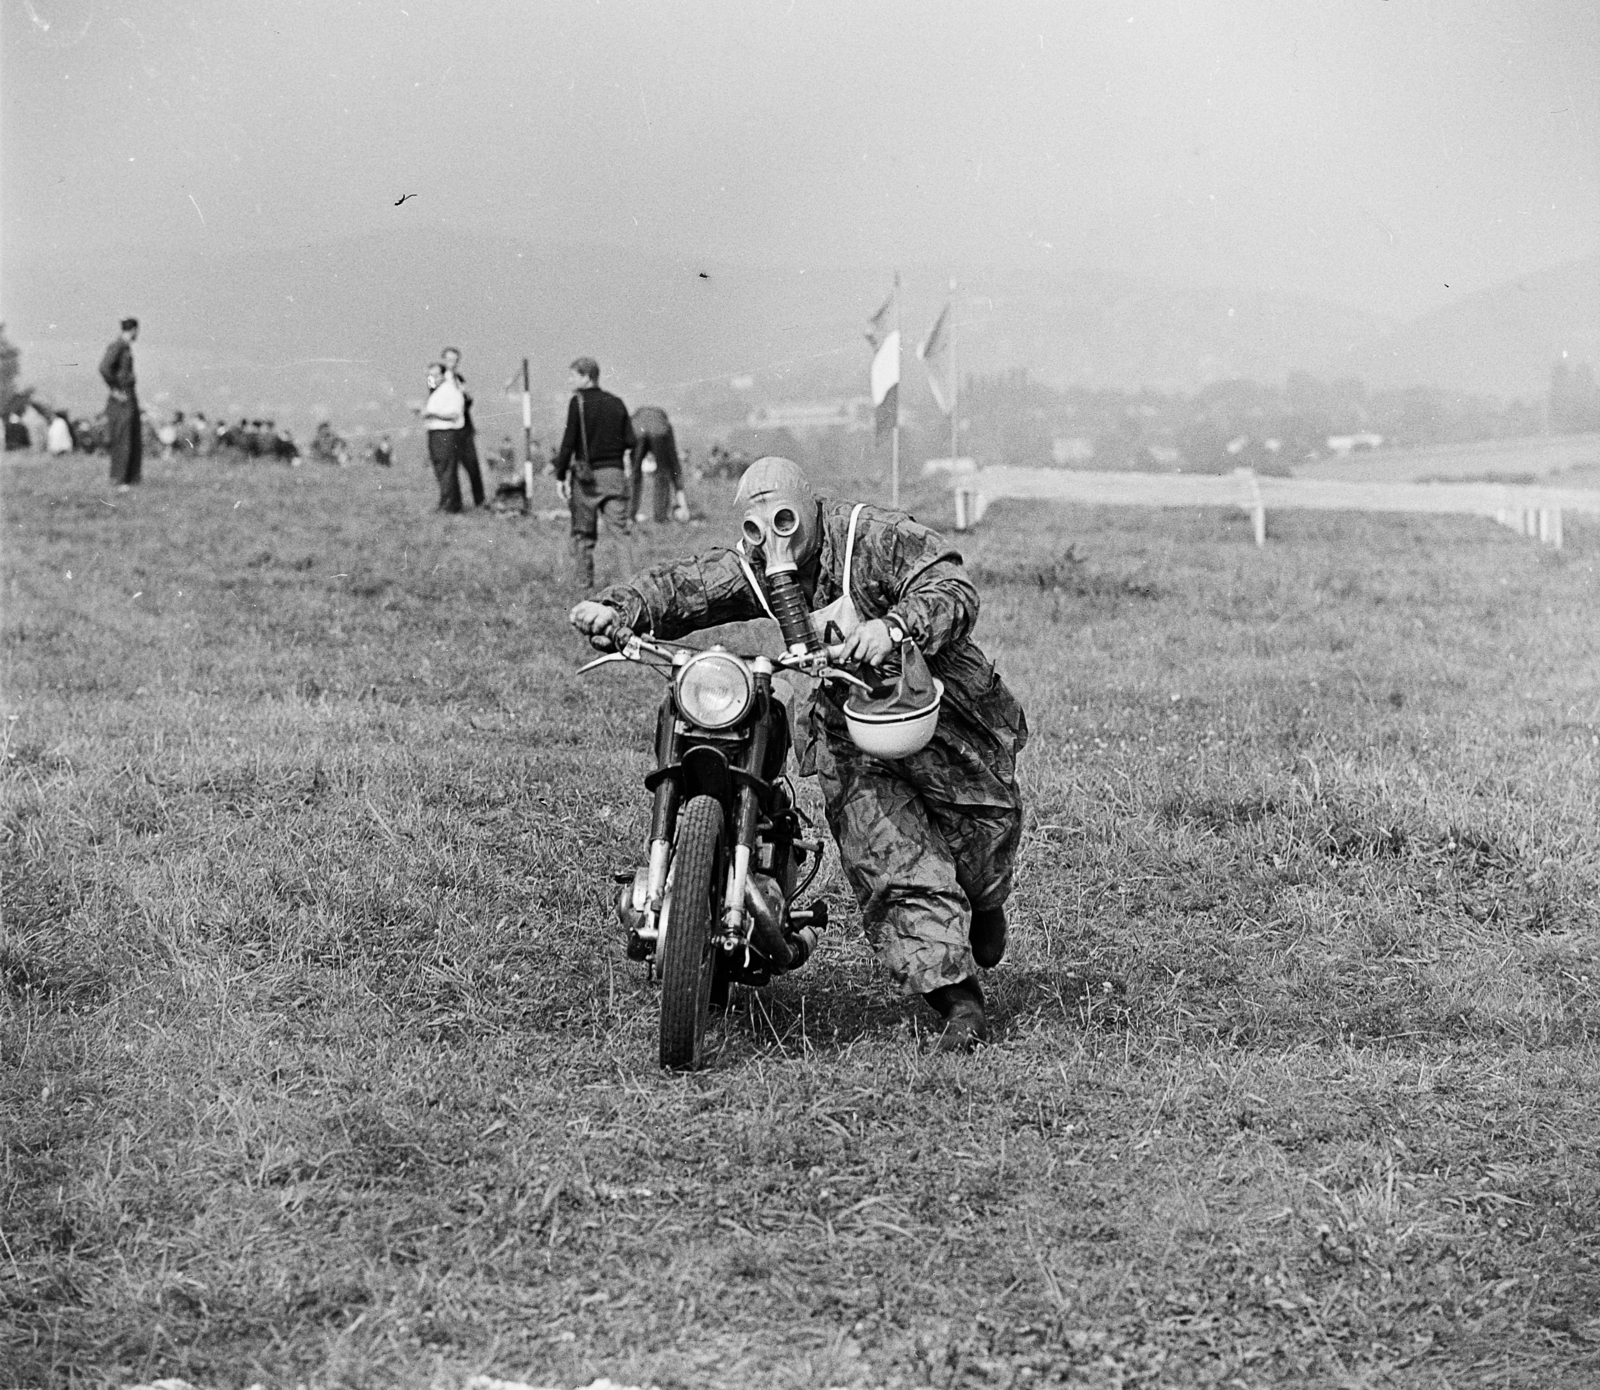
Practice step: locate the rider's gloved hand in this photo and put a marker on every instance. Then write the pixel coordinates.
(869, 645)
(596, 622)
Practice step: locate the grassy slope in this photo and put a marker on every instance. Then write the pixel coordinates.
(321, 1060)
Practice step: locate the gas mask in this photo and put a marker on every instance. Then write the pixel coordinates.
(780, 514)
(782, 523)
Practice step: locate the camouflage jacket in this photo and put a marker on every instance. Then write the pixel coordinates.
(899, 566)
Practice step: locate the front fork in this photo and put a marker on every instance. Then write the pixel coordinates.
(644, 892)
(747, 815)
(649, 885)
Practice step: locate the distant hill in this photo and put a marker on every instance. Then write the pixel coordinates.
(1500, 341)
(344, 327)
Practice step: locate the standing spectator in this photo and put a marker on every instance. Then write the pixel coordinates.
(38, 424)
(442, 419)
(598, 437)
(653, 437)
(58, 438)
(467, 437)
(281, 445)
(122, 408)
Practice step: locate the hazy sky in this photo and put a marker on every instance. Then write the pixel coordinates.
(1368, 152)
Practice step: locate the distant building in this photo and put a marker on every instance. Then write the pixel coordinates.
(813, 417)
(1343, 444)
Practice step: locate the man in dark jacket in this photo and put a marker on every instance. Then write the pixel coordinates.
(927, 841)
(591, 468)
(126, 437)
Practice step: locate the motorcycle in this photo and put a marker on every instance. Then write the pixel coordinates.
(716, 902)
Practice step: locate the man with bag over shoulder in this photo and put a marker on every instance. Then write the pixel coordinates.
(591, 469)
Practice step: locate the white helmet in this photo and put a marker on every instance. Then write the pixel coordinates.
(897, 733)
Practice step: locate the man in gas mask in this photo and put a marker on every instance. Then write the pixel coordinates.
(928, 841)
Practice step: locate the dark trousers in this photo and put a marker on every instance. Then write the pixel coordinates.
(125, 438)
(603, 495)
(443, 455)
(467, 457)
(665, 448)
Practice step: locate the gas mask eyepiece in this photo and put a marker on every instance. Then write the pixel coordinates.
(781, 525)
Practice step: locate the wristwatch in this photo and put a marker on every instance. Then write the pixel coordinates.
(897, 631)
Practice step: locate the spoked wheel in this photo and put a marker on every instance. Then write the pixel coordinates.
(688, 961)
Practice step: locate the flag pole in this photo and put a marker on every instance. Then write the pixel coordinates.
(955, 381)
(527, 440)
(894, 447)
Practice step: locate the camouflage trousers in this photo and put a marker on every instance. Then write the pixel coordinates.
(924, 840)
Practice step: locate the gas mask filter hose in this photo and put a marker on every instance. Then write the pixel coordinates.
(794, 618)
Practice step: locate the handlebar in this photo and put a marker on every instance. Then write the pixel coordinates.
(628, 645)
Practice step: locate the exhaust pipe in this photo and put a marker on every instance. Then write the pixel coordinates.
(764, 899)
(786, 950)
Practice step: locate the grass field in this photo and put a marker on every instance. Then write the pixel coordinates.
(320, 1061)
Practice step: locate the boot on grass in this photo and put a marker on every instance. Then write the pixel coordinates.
(961, 1007)
(987, 936)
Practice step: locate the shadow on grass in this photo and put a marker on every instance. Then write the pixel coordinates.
(827, 1015)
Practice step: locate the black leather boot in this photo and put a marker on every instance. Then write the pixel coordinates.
(987, 935)
(961, 1007)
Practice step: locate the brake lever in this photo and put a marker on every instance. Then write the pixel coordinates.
(833, 673)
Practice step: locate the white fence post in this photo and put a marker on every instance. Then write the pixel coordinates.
(1253, 503)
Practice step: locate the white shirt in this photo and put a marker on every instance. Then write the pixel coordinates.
(58, 439)
(446, 407)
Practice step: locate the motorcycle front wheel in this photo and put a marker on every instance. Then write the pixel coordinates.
(688, 960)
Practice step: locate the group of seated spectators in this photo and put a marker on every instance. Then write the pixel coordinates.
(32, 426)
(35, 427)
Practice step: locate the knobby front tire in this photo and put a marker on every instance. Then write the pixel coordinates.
(689, 958)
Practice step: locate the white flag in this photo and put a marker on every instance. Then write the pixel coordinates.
(886, 383)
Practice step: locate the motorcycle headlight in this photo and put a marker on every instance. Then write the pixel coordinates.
(715, 690)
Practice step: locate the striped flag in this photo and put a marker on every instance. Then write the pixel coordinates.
(934, 354)
(885, 340)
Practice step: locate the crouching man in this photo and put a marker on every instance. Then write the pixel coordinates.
(928, 841)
